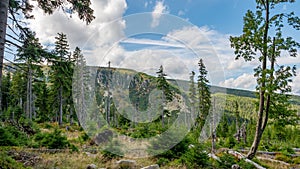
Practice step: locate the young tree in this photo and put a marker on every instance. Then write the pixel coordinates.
(264, 40)
(164, 86)
(204, 97)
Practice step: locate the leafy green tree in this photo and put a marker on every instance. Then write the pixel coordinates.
(263, 39)
(164, 86)
(204, 97)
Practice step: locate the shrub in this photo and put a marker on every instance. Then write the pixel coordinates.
(230, 142)
(160, 146)
(226, 161)
(162, 161)
(6, 162)
(54, 140)
(195, 157)
(11, 136)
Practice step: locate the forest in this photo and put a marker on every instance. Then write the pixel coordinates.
(56, 111)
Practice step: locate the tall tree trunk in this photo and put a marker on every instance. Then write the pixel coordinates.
(71, 116)
(260, 127)
(3, 21)
(29, 94)
(213, 131)
(60, 106)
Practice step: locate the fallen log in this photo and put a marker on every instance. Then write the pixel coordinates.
(241, 156)
(213, 156)
(272, 160)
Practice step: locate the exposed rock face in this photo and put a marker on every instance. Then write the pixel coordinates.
(103, 137)
(235, 166)
(126, 164)
(154, 166)
(91, 166)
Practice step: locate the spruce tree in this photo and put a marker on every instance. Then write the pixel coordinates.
(164, 86)
(80, 86)
(31, 53)
(193, 96)
(60, 71)
(204, 97)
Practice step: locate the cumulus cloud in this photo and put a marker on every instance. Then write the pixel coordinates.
(245, 81)
(98, 32)
(157, 12)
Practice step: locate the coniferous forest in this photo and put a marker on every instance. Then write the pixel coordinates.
(56, 111)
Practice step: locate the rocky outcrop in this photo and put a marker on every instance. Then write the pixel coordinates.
(154, 166)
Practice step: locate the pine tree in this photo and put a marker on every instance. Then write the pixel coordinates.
(193, 96)
(6, 99)
(203, 94)
(80, 86)
(60, 75)
(30, 53)
(17, 89)
(164, 86)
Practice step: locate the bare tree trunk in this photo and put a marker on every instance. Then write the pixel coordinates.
(237, 118)
(213, 132)
(29, 94)
(60, 106)
(3, 21)
(71, 116)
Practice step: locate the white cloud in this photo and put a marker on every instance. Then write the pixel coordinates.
(157, 12)
(153, 42)
(98, 32)
(245, 81)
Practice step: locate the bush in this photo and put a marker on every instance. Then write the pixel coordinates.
(230, 142)
(6, 162)
(162, 161)
(226, 161)
(11, 136)
(54, 140)
(195, 157)
(160, 146)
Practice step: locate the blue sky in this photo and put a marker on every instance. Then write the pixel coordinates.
(174, 33)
